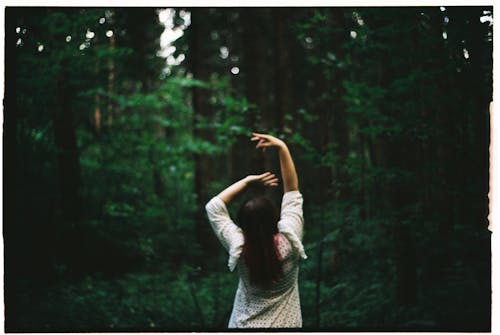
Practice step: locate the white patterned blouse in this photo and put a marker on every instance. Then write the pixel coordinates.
(278, 306)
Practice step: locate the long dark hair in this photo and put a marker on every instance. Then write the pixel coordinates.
(258, 218)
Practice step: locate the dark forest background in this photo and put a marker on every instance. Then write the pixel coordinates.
(110, 155)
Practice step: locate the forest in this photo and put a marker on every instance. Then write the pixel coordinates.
(121, 123)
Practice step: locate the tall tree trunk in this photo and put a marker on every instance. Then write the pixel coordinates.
(339, 125)
(256, 88)
(97, 96)
(68, 156)
(199, 64)
(111, 81)
(282, 70)
(283, 79)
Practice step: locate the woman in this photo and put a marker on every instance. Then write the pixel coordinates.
(266, 247)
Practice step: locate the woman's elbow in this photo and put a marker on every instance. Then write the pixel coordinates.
(208, 205)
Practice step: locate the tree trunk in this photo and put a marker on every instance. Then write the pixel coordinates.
(282, 70)
(97, 97)
(199, 64)
(339, 125)
(67, 151)
(111, 81)
(283, 80)
(256, 88)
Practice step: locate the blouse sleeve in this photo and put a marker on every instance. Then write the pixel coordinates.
(228, 233)
(291, 222)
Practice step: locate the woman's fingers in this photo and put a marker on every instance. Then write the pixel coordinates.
(263, 143)
(272, 182)
(265, 136)
(257, 136)
(268, 177)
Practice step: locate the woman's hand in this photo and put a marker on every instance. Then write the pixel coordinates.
(266, 141)
(266, 179)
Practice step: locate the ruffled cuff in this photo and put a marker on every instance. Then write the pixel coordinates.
(235, 254)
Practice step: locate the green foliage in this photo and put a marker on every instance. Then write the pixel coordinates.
(377, 121)
(159, 301)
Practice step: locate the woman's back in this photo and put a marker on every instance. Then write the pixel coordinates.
(276, 306)
(266, 253)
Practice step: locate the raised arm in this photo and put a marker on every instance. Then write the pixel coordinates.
(288, 173)
(267, 179)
